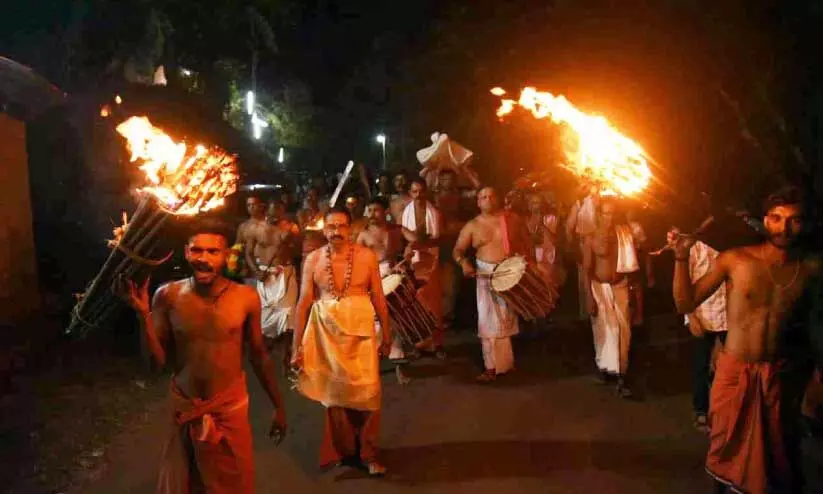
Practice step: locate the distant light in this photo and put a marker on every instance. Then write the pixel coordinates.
(381, 138)
(118, 99)
(257, 125)
(250, 102)
(498, 91)
(280, 156)
(105, 111)
(278, 186)
(185, 72)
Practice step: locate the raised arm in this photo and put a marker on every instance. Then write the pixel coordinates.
(688, 296)
(155, 326)
(307, 296)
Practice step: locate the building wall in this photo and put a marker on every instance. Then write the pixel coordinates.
(19, 297)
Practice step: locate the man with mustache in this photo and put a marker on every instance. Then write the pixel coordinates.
(386, 241)
(336, 348)
(200, 326)
(767, 313)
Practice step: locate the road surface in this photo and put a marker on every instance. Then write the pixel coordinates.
(546, 428)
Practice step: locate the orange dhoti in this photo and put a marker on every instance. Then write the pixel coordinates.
(341, 371)
(210, 447)
(747, 451)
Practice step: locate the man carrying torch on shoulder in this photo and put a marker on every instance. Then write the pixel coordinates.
(199, 326)
(755, 387)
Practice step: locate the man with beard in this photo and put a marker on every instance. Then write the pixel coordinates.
(257, 219)
(386, 241)
(270, 260)
(609, 257)
(754, 390)
(200, 326)
(400, 199)
(495, 235)
(543, 225)
(335, 348)
(422, 224)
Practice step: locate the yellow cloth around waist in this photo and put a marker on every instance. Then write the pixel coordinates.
(340, 361)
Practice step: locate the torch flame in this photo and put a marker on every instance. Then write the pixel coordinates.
(594, 149)
(185, 181)
(317, 225)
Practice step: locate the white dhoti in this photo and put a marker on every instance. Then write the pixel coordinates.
(396, 352)
(496, 324)
(612, 326)
(278, 296)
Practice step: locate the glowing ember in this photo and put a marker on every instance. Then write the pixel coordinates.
(595, 151)
(185, 180)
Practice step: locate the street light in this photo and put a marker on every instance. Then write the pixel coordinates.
(280, 156)
(381, 139)
(250, 102)
(257, 125)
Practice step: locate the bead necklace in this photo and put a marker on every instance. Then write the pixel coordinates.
(330, 276)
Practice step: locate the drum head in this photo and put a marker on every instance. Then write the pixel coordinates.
(508, 273)
(391, 282)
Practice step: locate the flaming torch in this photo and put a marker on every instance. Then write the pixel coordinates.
(595, 151)
(181, 181)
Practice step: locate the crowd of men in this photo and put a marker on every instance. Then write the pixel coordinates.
(445, 239)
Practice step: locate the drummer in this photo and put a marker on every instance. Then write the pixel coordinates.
(386, 240)
(495, 235)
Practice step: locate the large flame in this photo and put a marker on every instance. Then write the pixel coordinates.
(185, 180)
(595, 151)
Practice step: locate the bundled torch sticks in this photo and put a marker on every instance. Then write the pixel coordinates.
(130, 257)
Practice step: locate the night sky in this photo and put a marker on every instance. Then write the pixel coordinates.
(719, 93)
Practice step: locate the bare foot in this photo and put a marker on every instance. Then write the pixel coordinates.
(402, 379)
(376, 469)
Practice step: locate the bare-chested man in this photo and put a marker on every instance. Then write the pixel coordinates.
(269, 256)
(257, 219)
(607, 261)
(200, 326)
(749, 447)
(400, 199)
(386, 241)
(336, 346)
(496, 321)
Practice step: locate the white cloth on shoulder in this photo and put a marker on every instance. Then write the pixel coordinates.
(278, 296)
(432, 219)
(712, 312)
(626, 252)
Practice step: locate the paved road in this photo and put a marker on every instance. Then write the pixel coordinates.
(547, 428)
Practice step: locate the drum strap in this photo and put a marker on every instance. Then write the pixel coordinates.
(504, 228)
